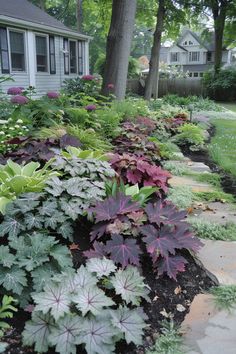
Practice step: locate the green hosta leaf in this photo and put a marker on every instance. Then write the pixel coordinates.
(30, 168)
(130, 322)
(33, 221)
(91, 299)
(3, 346)
(13, 279)
(102, 267)
(64, 335)
(48, 208)
(129, 284)
(54, 298)
(62, 256)
(97, 335)
(37, 330)
(3, 204)
(11, 227)
(72, 207)
(42, 275)
(7, 259)
(55, 186)
(66, 230)
(17, 183)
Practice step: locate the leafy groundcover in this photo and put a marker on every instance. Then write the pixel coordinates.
(92, 252)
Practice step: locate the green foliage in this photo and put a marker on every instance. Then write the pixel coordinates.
(181, 196)
(79, 87)
(191, 135)
(225, 297)
(133, 68)
(11, 128)
(72, 151)
(166, 110)
(169, 342)
(214, 231)
(176, 168)
(194, 103)
(212, 178)
(223, 145)
(130, 108)
(81, 308)
(221, 86)
(17, 179)
(215, 196)
(6, 311)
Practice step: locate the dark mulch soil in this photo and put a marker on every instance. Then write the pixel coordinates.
(165, 295)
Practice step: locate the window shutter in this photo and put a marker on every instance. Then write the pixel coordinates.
(81, 57)
(66, 55)
(4, 51)
(52, 55)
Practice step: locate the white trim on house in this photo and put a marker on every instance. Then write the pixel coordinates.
(13, 29)
(40, 34)
(31, 58)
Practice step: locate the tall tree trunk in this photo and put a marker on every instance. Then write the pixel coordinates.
(42, 4)
(219, 10)
(79, 15)
(153, 75)
(118, 47)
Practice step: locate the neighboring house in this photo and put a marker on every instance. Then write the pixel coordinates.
(194, 55)
(38, 50)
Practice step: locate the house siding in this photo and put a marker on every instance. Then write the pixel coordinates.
(43, 81)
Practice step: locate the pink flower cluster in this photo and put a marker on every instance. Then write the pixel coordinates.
(91, 107)
(88, 77)
(19, 99)
(15, 90)
(53, 95)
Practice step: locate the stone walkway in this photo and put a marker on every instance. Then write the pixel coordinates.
(207, 330)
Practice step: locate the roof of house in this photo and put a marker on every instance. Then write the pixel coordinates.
(208, 42)
(25, 11)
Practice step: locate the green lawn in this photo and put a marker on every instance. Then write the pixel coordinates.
(223, 145)
(228, 105)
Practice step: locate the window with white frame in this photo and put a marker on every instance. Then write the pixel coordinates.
(190, 43)
(194, 56)
(41, 53)
(174, 57)
(17, 50)
(73, 57)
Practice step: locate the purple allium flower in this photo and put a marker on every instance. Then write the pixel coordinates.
(88, 77)
(53, 95)
(91, 107)
(15, 91)
(18, 99)
(110, 86)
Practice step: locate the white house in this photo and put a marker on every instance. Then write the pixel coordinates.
(194, 55)
(38, 50)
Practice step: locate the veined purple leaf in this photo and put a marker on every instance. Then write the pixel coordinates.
(102, 267)
(172, 265)
(97, 335)
(91, 299)
(130, 323)
(186, 239)
(113, 206)
(37, 331)
(55, 299)
(98, 251)
(129, 284)
(123, 251)
(98, 230)
(64, 334)
(158, 242)
(165, 213)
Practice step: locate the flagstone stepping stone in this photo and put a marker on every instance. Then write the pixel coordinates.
(216, 212)
(198, 167)
(219, 258)
(176, 181)
(208, 330)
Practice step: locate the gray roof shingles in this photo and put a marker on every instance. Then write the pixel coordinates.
(26, 11)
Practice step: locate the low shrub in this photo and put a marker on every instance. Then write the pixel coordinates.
(190, 135)
(181, 196)
(214, 231)
(221, 86)
(195, 103)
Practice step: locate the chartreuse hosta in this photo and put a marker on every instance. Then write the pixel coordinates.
(94, 307)
(16, 179)
(84, 154)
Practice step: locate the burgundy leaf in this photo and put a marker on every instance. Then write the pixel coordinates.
(165, 213)
(158, 242)
(186, 239)
(123, 251)
(98, 230)
(98, 251)
(68, 140)
(172, 265)
(134, 176)
(113, 206)
(17, 140)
